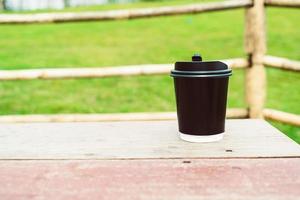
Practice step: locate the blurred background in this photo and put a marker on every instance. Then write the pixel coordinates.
(217, 35)
(54, 4)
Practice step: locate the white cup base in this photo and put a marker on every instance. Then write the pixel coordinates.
(201, 138)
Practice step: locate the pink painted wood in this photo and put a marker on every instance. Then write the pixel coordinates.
(277, 178)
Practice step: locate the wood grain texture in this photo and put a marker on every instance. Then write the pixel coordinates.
(231, 113)
(99, 72)
(210, 179)
(122, 14)
(138, 140)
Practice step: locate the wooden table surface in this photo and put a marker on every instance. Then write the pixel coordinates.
(145, 160)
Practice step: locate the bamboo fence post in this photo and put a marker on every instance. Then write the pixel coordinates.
(255, 46)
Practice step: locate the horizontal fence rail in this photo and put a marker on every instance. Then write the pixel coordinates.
(122, 14)
(284, 117)
(153, 69)
(231, 113)
(149, 69)
(283, 3)
(282, 63)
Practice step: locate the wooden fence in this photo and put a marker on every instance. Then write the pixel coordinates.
(255, 47)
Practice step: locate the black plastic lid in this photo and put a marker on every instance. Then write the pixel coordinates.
(197, 68)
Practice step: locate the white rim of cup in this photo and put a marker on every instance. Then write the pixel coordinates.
(201, 138)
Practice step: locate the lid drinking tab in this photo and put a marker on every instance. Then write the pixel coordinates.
(196, 57)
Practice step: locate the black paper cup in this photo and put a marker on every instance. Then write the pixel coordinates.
(201, 98)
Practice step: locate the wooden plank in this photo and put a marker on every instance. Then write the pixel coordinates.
(136, 140)
(210, 179)
(122, 14)
(98, 72)
(232, 113)
(283, 3)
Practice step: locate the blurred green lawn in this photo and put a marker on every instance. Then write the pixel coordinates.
(217, 35)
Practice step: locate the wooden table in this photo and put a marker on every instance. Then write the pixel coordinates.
(146, 160)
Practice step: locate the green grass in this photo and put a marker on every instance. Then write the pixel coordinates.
(216, 35)
(116, 42)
